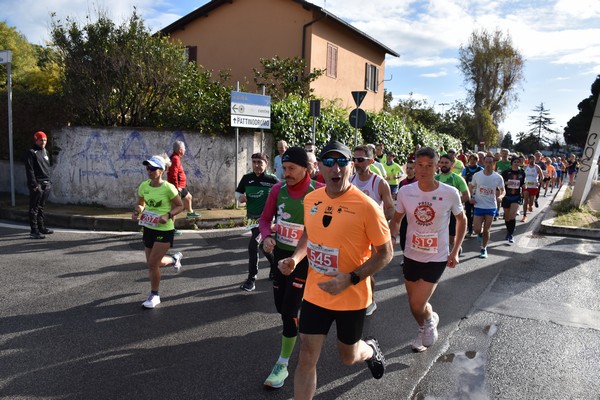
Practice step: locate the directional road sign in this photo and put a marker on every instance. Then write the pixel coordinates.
(250, 110)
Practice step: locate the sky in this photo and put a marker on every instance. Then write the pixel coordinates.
(559, 40)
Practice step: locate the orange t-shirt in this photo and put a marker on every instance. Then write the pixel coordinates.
(340, 233)
(551, 171)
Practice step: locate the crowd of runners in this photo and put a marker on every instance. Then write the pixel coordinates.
(326, 221)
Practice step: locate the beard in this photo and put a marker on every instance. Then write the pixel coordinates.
(445, 170)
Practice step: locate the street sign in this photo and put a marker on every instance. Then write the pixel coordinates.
(359, 96)
(249, 110)
(5, 57)
(362, 118)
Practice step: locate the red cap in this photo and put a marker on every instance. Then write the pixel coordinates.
(40, 135)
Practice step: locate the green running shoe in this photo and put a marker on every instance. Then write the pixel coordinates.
(277, 377)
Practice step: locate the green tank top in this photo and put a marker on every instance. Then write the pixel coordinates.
(290, 218)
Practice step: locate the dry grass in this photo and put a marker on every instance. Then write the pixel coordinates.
(569, 215)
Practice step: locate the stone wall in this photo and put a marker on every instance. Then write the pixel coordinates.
(104, 165)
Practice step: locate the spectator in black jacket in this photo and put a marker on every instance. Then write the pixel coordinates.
(37, 168)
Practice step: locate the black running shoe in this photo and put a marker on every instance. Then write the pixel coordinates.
(376, 363)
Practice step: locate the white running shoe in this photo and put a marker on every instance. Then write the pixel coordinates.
(417, 344)
(371, 309)
(430, 334)
(177, 262)
(152, 301)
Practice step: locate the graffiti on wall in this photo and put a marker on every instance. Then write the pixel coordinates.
(99, 158)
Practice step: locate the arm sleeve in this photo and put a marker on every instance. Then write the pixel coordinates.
(31, 181)
(266, 217)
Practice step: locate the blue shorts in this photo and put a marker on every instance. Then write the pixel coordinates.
(480, 212)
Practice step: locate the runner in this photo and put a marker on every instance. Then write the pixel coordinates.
(487, 189)
(376, 188)
(393, 172)
(341, 224)
(253, 189)
(158, 201)
(514, 179)
(471, 169)
(410, 178)
(285, 203)
(176, 176)
(450, 178)
(533, 177)
(427, 205)
(551, 176)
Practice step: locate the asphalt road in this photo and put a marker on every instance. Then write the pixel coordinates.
(525, 323)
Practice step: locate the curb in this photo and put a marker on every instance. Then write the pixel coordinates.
(95, 223)
(547, 226)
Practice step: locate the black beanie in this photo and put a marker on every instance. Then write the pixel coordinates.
(296, 155)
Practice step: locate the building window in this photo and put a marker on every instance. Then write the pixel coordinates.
(371, 77)
(332, 57)
(190, 52)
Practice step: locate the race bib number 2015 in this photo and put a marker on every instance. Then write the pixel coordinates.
(322, 259)
(149, 219)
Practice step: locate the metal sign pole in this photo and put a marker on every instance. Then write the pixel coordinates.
(237, 149)
(6, 58)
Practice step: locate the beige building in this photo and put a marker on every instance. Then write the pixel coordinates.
(235, 34)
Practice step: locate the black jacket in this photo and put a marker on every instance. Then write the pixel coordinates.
(37, 166)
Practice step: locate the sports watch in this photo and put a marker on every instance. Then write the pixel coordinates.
(354, 279)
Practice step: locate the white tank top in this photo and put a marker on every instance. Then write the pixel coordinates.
(369, 187)
(531, 177)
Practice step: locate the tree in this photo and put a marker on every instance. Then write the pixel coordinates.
(528, 143)
(493, 71)
(578, 127)
(285, 76)
(507, 142)
(31, 66)
(115, 75)
(540, 123)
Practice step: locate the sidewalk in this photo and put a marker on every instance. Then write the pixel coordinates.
(98, 218)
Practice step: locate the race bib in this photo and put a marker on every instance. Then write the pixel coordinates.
(513, 183)
(531, 184)
(425, 242)
(322, 259)
(149, 219)
(289, 233)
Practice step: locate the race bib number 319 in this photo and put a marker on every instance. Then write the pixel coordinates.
(322, 259)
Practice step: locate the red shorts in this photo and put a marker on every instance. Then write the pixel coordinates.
(532, 191)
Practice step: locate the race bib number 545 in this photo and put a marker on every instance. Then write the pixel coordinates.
(322, 259)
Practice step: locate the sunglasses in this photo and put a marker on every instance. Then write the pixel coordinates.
(329, 161)
(151, 168)
(360, 159)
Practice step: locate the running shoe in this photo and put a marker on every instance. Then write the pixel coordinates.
(510, 239)
(192, 215)
(177, 233)
(277, 376)
(524, 218)
(483, 253)
(376, 363)
(37, 235)
(430, 333)
(46, 231)
(248, 286)
(371, 309)
(417, 344)
(177, 261)
(152, 301)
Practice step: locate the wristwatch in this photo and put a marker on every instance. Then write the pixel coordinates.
(354, 279)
